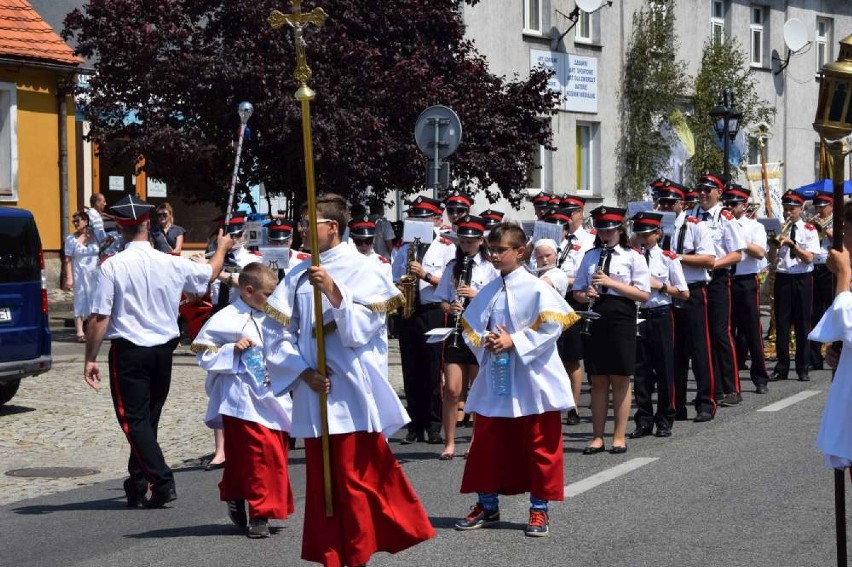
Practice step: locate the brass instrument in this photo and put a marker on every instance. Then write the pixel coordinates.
(822, 225)
(465, 277)
(775, 239)
(408, 282)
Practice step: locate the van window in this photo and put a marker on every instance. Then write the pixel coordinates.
(19, 244)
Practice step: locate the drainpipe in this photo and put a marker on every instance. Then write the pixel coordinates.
(64, 206)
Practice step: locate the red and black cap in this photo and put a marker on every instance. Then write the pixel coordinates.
(542, 200)
(670, 190)
(457, 200)
(606, 218)
(131, 211)
(470, 226)
(711, 180)
(736, 193)
(236, 225)
(491, 218)
(792, 199)
(362, 227)
(646, 221)
(571, 202)
(280, 230)
(559, 216)
(823, 198)
(425, 207)
(690, 197)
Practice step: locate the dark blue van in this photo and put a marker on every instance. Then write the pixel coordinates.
(24, 331)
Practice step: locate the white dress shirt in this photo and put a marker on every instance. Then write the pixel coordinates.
(696, 239)
(626, 266)
(439, 253)
(754, 233)
(664, 266)
(724, 230)
(807, 239)
(482, 273)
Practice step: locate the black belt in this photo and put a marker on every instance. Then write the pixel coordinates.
(739, 277)
(820, 266)
(696, 285)
(792, 276)
(427, 307)
(609, 297)
(654, 312)
(720, 273)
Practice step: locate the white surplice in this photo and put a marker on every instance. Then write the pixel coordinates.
(356, 347)
(835, 432)
(231, 389)
(536, 317)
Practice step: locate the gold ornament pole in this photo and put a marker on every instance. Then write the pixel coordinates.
(297, 21)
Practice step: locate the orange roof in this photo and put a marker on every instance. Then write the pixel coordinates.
(23, 34)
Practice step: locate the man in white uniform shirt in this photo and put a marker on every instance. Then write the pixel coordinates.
(793, 286)
(823, 294)
(729, 245)
(136, 307)
(745, 286)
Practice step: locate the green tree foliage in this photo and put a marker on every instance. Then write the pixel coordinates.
(183, 66)
(654, 82)
(723, 66)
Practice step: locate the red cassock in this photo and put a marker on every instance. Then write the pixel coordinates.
(256, 468)
(375, 508)
(516, 455)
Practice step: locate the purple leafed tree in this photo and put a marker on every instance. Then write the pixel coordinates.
(182, 66)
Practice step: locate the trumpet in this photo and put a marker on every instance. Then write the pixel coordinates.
(775, 239)
(822, 225)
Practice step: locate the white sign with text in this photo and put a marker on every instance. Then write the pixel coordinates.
(575, 79)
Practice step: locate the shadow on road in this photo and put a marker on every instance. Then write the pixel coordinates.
(192, 531)
(445, 523)
(12, 410)
(116, 503)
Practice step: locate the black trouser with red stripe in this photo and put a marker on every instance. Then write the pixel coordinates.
(692, 341)
(725, 371)
(792, 306)
(655, 368)
(823, 296)
(745, 293)
(422, 367)
(139, 383)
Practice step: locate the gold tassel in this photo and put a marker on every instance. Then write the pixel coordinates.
(195, 348)
(565, 319)
(391, 304)
(275, 314)
(473, 337)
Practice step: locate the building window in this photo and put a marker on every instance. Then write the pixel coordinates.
(8, 142)
(584, 27)
(532, 16)
(757, 35)
(587, 157)
(535, 174)
(717, 21)
(823, 41)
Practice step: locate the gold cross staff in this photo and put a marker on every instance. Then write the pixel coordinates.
(297, 20)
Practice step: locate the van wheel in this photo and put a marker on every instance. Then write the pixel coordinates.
(8, 390)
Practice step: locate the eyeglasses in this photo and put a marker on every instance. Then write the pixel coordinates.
(500, 250)
(363, 241)
(163, 214)
(731, 204)
(457, 210)
(704, 189)
(305, 223)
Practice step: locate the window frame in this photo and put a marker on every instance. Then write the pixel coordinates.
(539, 172)
(584, 19)
(717, 22)
(758, 28)
(592, 160)
(528, 29)
(823, 43)
(10, 137)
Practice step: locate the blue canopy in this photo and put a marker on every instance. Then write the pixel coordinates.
(808, 191)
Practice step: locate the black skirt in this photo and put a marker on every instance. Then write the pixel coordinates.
(570, 343)
(610, 348)
(458, 355)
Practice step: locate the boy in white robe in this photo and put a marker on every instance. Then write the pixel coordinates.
(255, 422)
(375, 508)
(517, 445)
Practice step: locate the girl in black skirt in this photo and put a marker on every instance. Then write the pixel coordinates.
(462, 279)
(615, 277)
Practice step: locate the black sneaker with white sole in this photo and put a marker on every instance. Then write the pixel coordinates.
(258, 528)
(237, 513)
(479, 517)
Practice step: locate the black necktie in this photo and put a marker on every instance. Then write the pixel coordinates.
(793, 234)
(681, 236)
(607, 260)
(705, 215)
(648, 256)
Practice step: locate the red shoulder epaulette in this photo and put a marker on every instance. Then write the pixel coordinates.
(593, 231)
(670, 254)
(693, 220)
(383, 259)
(727, 214)
(576, 247)
(445, 241)
(636, 250)
(255, 252)
(399, 244)
(810, 226)
(302, 255)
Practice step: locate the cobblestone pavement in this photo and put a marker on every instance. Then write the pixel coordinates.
(56, 420)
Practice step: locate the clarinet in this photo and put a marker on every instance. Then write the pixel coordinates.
(464, 279)
(589, 314)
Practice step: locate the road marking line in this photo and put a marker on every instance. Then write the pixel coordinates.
(600, 478)
(787, 402)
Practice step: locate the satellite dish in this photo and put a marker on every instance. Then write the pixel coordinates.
(795, 34)
(589, 5)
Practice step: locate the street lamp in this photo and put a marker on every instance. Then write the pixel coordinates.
(726, 122)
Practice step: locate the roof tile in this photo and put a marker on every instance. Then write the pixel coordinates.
(24, 34)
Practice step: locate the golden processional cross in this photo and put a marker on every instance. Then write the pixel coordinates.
(297, 21)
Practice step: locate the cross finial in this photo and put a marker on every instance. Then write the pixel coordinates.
(298, 20)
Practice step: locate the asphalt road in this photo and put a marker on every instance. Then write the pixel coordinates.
(747, 489)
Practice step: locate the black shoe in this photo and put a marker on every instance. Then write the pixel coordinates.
(412, 437)
(214, 466)
(663, 431)
(703, 416)
(778, 376)
(573, 418)
(594, 450)
(641, 431)
(434, 438)
(681, 415)
(618, 449)
(732, 399)
(818, 366)
(479, 517)
(258, 528)
(803, 377)
(539, 524)
(135, 493)
(761, 389)
(161, 497)
(237, 513)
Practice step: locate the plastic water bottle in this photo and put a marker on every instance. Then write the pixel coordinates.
(501, 373)
(254, 363)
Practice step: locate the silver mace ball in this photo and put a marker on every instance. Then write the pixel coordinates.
(245, 111)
